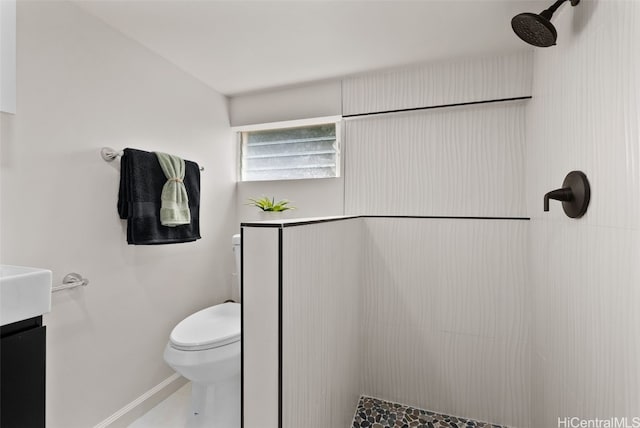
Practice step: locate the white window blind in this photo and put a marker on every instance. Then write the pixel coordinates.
(290, 153)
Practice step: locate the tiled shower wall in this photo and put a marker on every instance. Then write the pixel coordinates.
(427, 312)
(301, 324)
(439, 83)
(321, 304)
(585, 274)
(445, 322)
(455, 161)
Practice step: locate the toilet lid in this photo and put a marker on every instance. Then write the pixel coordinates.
(209, 328)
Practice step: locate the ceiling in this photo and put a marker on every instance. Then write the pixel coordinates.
(244, 46)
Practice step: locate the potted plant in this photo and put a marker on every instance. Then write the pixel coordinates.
(269, 208)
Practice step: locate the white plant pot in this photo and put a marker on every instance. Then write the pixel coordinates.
(274, 215)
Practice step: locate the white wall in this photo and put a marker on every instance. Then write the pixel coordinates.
(8, 56)
(312, 198)
(82, 86)
(585, 115)
(320, 99)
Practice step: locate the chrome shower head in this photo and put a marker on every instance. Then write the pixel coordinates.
(537, 29)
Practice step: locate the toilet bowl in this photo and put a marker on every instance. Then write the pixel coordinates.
(205, 348)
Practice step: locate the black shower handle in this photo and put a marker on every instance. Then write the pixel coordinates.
(565, 195)
(575, 194)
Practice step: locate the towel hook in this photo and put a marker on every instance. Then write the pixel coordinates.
(109, 155)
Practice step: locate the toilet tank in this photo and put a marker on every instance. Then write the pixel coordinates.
(235, 240)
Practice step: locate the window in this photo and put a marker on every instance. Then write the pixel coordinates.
(281, 152)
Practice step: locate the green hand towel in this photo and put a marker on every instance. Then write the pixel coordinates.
(174, 209)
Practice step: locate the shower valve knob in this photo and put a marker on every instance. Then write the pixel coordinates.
(565, 195)
(574, 194)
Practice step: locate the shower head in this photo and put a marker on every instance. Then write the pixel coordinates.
(534, 29)
(537, 30)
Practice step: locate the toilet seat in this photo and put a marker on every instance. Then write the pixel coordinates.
(209, 328)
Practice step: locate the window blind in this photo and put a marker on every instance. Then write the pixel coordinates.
(291, 153)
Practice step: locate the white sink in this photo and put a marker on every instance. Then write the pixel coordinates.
(25, 292)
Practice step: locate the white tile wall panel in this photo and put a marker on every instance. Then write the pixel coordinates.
(441, 83)
(485, 379)
(260, 327)
(428, 312)
(321, 323)
(585, 114)
(585, 322)
(462, 161)
(446, 321)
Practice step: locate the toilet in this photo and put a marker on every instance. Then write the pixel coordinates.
(205, 348)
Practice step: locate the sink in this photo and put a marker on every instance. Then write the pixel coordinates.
(25, 292)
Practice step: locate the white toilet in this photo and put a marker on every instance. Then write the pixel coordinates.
(205, 348)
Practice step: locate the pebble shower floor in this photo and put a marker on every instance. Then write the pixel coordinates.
(376, 413)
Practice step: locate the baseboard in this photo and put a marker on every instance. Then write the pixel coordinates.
(141, 405)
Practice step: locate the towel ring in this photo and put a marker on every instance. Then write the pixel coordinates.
(109, 155)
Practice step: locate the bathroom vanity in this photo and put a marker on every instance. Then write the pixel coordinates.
(25, 294)
(22, 374)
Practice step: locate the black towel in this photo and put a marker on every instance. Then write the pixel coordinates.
(141, 181)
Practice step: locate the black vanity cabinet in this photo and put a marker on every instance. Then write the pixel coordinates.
(22, 374)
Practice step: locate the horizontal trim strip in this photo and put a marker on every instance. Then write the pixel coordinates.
(288, 154)
(446, 217)
(292, 141)
(287, 223)
(297, 223)
(502, 100)
(292, 168)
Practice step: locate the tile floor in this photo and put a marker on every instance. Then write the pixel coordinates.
(370, 413)
(376, 413)
(170, 413)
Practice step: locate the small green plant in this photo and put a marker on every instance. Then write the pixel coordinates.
(266, 204)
